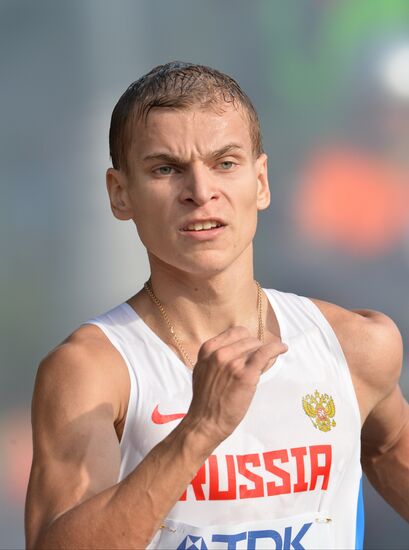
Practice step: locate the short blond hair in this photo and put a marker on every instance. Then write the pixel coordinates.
(176, 85)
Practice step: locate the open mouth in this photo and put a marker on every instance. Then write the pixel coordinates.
(204, 226)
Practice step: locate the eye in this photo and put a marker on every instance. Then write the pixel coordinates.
(164, 170)
(227, 164)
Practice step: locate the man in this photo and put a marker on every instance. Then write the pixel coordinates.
(205, 412)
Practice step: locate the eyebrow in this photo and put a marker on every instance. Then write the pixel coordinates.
(167, 157)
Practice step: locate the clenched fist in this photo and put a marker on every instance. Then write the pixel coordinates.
(225, 379)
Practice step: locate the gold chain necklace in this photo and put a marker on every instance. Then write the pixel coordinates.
(148, 287)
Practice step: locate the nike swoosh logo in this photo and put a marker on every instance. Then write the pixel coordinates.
(158, 418)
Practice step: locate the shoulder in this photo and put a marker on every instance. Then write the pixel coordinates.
(372, 345)
(76, 404)
(82, 372)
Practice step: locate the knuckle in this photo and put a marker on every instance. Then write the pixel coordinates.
(235, 365)
(220, 355)
(206, 348)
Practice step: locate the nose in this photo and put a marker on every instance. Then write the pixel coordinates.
(199, 186)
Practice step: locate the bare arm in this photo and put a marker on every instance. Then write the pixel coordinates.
(385, 451)
(373, 348)
(385, 433)
(73, 499)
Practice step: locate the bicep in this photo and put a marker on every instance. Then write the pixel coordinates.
(75, 447)
(385, 423)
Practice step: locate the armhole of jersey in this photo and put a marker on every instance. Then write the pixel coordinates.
(337, 350)
(130, 413)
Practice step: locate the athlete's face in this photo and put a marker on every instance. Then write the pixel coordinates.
(186, 166)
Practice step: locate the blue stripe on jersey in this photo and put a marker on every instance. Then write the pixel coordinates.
(360, 520)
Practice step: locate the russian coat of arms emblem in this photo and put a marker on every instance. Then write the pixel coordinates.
(320, 407)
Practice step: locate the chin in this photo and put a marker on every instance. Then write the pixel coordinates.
(203, 263)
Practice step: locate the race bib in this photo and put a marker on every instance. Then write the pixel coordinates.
(302, 532)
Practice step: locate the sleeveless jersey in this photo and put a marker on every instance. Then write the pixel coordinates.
(289, 476)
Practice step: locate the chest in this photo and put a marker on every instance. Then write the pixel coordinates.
(303, 415)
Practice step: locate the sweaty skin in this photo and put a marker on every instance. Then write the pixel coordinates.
(188, 164)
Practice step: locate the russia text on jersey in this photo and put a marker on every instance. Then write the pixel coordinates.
(265, 474)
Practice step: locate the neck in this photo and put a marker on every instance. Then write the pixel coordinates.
(202, 306)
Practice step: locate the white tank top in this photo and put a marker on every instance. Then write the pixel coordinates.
(289, 476)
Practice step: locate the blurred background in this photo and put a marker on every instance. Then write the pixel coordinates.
(330, 81)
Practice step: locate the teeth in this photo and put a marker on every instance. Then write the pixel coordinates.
(201, 226)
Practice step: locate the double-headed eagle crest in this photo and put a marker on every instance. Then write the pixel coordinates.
(320, 407)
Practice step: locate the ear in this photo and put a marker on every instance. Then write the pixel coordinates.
(118, 194)
(263, 190)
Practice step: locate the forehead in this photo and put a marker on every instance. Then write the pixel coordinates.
(191, 132)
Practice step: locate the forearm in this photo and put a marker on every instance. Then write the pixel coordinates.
(388, 471)
(128, 514)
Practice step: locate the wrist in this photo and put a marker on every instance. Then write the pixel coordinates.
(196, 437)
